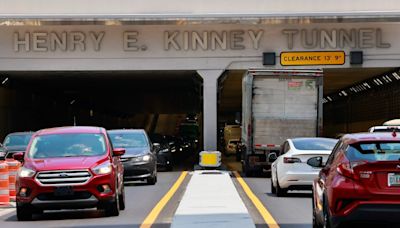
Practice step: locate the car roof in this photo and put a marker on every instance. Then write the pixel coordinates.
(71, 129)
(370, 136)
(21, 133)
(385, 127)
(310, 138)
(125, 131)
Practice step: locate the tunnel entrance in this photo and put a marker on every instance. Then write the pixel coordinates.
(354, 99)
(359, 98)
(157, 101)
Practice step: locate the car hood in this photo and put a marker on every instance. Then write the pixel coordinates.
(135, 152)
(67, 163)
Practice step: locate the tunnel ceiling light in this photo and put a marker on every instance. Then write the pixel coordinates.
(396, 76)
(4, 81)
(380, 80)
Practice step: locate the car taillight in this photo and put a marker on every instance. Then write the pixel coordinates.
(346, 169)
(291, 160)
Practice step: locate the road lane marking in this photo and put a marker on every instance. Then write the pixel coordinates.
(152, 216)
(269, 220)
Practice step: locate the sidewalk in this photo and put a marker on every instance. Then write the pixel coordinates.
(211, 200)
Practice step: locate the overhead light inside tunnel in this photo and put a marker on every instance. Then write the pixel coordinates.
(379, 81)
(4, 81)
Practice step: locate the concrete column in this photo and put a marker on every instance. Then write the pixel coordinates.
(210, 85)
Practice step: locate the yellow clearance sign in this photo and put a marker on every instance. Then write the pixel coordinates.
(312, 58)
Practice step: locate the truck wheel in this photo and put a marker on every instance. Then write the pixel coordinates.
(24, 213)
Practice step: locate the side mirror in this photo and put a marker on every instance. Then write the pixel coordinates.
(19, 156)
(315, 162)
(272, 157)
(118, 151)
(156, 147)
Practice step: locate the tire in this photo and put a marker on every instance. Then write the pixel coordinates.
(315, 223)
(280, 191)
(327, 217)
(152, 180)
(169, 168)
(247, 172)
(273, 189)
(24, 213)
(122, 199)
(112, 208)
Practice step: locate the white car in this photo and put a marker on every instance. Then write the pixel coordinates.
(290, 170)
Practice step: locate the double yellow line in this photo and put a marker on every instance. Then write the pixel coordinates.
(269, 220)
(151, 218)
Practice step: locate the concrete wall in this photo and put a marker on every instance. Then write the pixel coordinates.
(193, 7)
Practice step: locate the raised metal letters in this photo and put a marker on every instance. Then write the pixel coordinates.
(362, 38)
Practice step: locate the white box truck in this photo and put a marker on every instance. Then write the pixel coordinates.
(277, 105)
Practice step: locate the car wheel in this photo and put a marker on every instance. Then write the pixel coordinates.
(273, 189)
(280, 191)
(315, 223)
(169, 167)
(122, 199)
(24, 213)
(112, 208)
(152, 180)
(327, 217)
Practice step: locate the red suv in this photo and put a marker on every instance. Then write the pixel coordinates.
(360, 181)
(70, 168)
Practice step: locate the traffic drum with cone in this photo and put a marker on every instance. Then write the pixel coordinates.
(4, 184)
(13, 167)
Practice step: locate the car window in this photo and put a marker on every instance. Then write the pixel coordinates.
(314, 143)
(128, 140)
(67, 145)
(334, 153)
(285, 148)
(374, 151)
(17, 140)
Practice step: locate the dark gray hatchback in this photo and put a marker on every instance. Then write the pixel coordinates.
(139, 160)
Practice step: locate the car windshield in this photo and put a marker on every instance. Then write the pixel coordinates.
(374, 151)
(314, 143)
(67, 145)
(17, 140)
(128, 140)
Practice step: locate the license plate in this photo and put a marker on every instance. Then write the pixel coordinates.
(64, 191)
(393, 179)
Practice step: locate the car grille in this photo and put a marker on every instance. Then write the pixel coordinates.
(74, 196)
(63, 177)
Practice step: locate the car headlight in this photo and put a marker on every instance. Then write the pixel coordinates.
(25, 172)
(104, 168)
(163, 151)
(146, 158)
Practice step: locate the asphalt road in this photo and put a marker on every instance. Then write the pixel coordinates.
(293, 210)
(140, 200)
